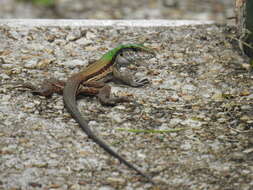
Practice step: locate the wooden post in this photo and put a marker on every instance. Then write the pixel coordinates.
(244, 22)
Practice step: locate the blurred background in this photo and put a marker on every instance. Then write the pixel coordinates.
(218, 10)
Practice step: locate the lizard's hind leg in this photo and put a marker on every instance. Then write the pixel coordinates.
(47, 88)
(102, 91)
(105, 98)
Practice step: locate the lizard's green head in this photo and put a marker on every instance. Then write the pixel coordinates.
(130, 52)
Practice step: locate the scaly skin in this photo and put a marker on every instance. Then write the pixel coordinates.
(94, 72)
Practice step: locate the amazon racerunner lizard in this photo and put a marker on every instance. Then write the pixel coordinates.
(91, 81)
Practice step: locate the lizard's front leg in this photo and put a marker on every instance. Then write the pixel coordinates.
(122, 76)
(127, 78)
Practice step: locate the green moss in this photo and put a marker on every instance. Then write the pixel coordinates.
(40, 2)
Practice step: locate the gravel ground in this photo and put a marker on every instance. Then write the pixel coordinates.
(198, 82)
(217, 10)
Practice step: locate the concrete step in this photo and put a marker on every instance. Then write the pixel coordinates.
(200, 85)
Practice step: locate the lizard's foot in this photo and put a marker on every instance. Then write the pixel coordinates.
(139, 82)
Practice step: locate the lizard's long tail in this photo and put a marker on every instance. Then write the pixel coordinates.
(69, 96)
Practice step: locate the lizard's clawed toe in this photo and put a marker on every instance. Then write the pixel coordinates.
(140, 82)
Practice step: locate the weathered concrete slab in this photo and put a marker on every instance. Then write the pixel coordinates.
(198, 81)
(100, 23)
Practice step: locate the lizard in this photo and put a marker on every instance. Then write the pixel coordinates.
(90, 81)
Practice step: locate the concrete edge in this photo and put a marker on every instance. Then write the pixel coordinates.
(100, 23)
